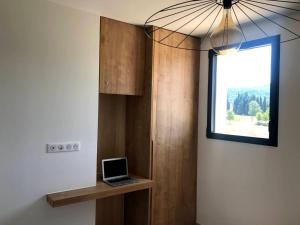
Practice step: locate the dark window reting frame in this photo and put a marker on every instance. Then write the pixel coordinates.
(274, 41)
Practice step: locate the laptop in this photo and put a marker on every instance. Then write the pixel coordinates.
(115, 172)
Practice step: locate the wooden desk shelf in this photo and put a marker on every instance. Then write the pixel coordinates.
(101, 190)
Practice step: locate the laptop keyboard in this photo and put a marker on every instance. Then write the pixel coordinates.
(122, 181)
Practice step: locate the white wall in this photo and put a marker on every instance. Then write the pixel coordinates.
(48, 93)
(244, 184)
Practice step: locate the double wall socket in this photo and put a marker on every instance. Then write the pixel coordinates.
(63, 147)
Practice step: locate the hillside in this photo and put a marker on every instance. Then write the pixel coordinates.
(262, 91)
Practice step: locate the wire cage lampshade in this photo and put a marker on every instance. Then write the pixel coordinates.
(226, 23)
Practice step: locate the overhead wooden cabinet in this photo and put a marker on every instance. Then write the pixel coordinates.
(122, 58)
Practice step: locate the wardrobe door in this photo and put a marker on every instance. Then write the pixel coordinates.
(175, 108)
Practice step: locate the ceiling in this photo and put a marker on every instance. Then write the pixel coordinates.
(131, 11)
(138, 11)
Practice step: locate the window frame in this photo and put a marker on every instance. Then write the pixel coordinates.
(274, 41)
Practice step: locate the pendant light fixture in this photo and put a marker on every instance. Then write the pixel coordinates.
(225, 24)
(226, 37)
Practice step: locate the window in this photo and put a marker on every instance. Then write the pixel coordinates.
(243, 93)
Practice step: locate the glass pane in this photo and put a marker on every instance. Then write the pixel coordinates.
(243, 93)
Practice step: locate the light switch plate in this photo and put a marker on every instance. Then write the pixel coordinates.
(63, 147)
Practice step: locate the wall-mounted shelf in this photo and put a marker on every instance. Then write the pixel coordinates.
(101, 190)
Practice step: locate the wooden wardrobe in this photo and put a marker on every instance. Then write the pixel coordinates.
(148, 112)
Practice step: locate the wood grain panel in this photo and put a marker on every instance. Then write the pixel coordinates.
(110, 211)
(122, 58)
(111, 127)
(111, 143)
(139, 150)
(176, 75)
(138, 130)
(137, 208)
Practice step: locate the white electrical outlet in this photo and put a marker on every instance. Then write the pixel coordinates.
(63, 147)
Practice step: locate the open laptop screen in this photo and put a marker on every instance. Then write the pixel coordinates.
(114, 168)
